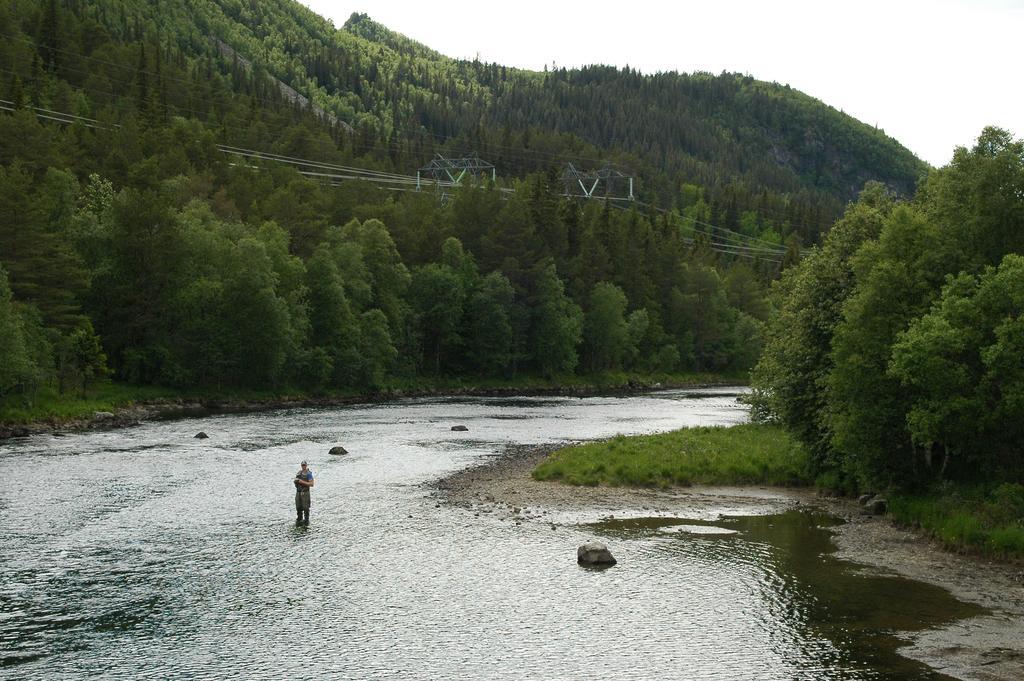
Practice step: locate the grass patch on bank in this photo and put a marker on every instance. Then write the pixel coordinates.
(969, 519)
(750, 454)
(49, 405)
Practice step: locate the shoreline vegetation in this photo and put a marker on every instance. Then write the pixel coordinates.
(116, 405)
(748, 454)
(974, 520)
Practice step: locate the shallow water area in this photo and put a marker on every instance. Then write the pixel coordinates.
(145, 553)
(851, 620)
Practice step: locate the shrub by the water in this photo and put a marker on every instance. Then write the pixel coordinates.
(970, 519)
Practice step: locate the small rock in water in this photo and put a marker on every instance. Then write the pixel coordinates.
(200, 435)
(338, 450)
(594, 553)
(460, 429)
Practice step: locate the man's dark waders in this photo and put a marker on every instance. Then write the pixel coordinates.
(302, 504)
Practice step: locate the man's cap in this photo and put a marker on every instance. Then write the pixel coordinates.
(304, 464)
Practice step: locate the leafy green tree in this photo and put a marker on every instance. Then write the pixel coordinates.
(438, 298)
(702, 316)
(556, 325)
(605, 331)
(81, 359)
(197, 353)
(473, 211)
(489, 332)
(24, 346)
(897, 277)
(978, 199)
(256, 317)
(790, 380)
(89, 230)
(387, 274)
(333, 326)
(512, 244)
(376, 350)
(963, 365)
(744, 291)
(17, 364)
(746, 342)
(297, 207)
(289, 273)
(131, 295)
(638, 325)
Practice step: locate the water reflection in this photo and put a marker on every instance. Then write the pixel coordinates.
(841, 619)
(144, 553)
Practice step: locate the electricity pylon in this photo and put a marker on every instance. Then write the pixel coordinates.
(607, 183)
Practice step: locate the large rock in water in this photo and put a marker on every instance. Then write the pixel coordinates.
(594, 553)
(338, 451)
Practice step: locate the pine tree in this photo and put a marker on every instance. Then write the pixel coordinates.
(48, 39)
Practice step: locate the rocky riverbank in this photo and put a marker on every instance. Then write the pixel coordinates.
(985, 648)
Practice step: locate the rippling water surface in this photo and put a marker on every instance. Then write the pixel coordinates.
(145, 553)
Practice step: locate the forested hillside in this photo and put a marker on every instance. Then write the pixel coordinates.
(132, 244)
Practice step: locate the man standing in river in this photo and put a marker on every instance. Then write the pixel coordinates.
(303, 481)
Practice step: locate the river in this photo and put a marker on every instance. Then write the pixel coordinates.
(146, 553)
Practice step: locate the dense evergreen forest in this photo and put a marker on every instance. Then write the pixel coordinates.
(131, 245)
(897, 354)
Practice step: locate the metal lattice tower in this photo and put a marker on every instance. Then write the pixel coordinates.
(450, 172)
(607, 183)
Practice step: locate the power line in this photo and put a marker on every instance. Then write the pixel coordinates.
(521, 154)
(737, 235)
(381, 177)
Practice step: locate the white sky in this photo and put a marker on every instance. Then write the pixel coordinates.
(931, 74)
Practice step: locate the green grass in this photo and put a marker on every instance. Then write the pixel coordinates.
(752, 454)
(48, 405)
(970, 519)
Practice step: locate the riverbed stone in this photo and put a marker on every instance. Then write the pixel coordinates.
(594, 553)
(864, 499)
(338, 451)
(200, 435)
(103, 415)
(460, 429)
(877, 506)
